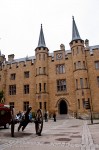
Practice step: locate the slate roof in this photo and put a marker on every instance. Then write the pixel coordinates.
(41, 42)
(75, 33)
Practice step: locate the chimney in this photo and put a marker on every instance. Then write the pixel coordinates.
(11, 57)
(62, 47)
(87, 43)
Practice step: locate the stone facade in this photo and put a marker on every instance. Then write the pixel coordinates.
(65, 81)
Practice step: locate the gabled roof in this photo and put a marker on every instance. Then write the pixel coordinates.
(75, 33)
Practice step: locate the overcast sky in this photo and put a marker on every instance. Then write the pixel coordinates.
(20, 22)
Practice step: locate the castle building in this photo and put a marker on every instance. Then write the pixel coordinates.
(65, 81)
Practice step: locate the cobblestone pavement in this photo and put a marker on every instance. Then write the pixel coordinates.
(64, 134)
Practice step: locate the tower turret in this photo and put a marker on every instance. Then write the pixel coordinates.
(75, 35)
(79, 69)
(41, 65)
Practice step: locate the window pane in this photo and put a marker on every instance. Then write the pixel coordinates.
(25, 106)
(97, 64)
(98, 81)
(60, 69)
(12, 77)
(61, 85)
(81, 82)
(40, 105)
(76, 84)
(12, 89)
(26, 74)
(26, 89)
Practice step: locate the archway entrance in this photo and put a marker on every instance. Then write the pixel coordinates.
(63, 107)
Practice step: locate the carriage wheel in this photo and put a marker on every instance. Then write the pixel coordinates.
(12, 128)
(39, 122)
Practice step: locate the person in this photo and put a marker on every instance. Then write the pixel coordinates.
(25, 119)
(19, 116)
(30, 117)
(46, 117)
(38, 122)
(54, 116)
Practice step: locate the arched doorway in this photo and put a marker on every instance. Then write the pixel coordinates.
(63, 107)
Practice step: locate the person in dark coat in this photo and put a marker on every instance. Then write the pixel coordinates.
(54, 117)
(25, 119)
(46, 117)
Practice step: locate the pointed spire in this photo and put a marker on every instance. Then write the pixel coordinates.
(41, 42)
(75, 33)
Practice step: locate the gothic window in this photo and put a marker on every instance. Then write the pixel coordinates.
(97, 64)
(12, 89)
(61, 85)
(44, 87)
(60, 69)
(39, 87)
(76, 84)
(84, 65)
(79, 64)
(74, 66)
(26, 89)
(86, 82)
(98, 81)
(25, 106)
(40, 70)
(26, 74)
(77, 50)
(81, 82)
(13, 76)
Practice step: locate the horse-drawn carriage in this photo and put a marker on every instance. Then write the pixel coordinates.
(23, 122)
(5, 115)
